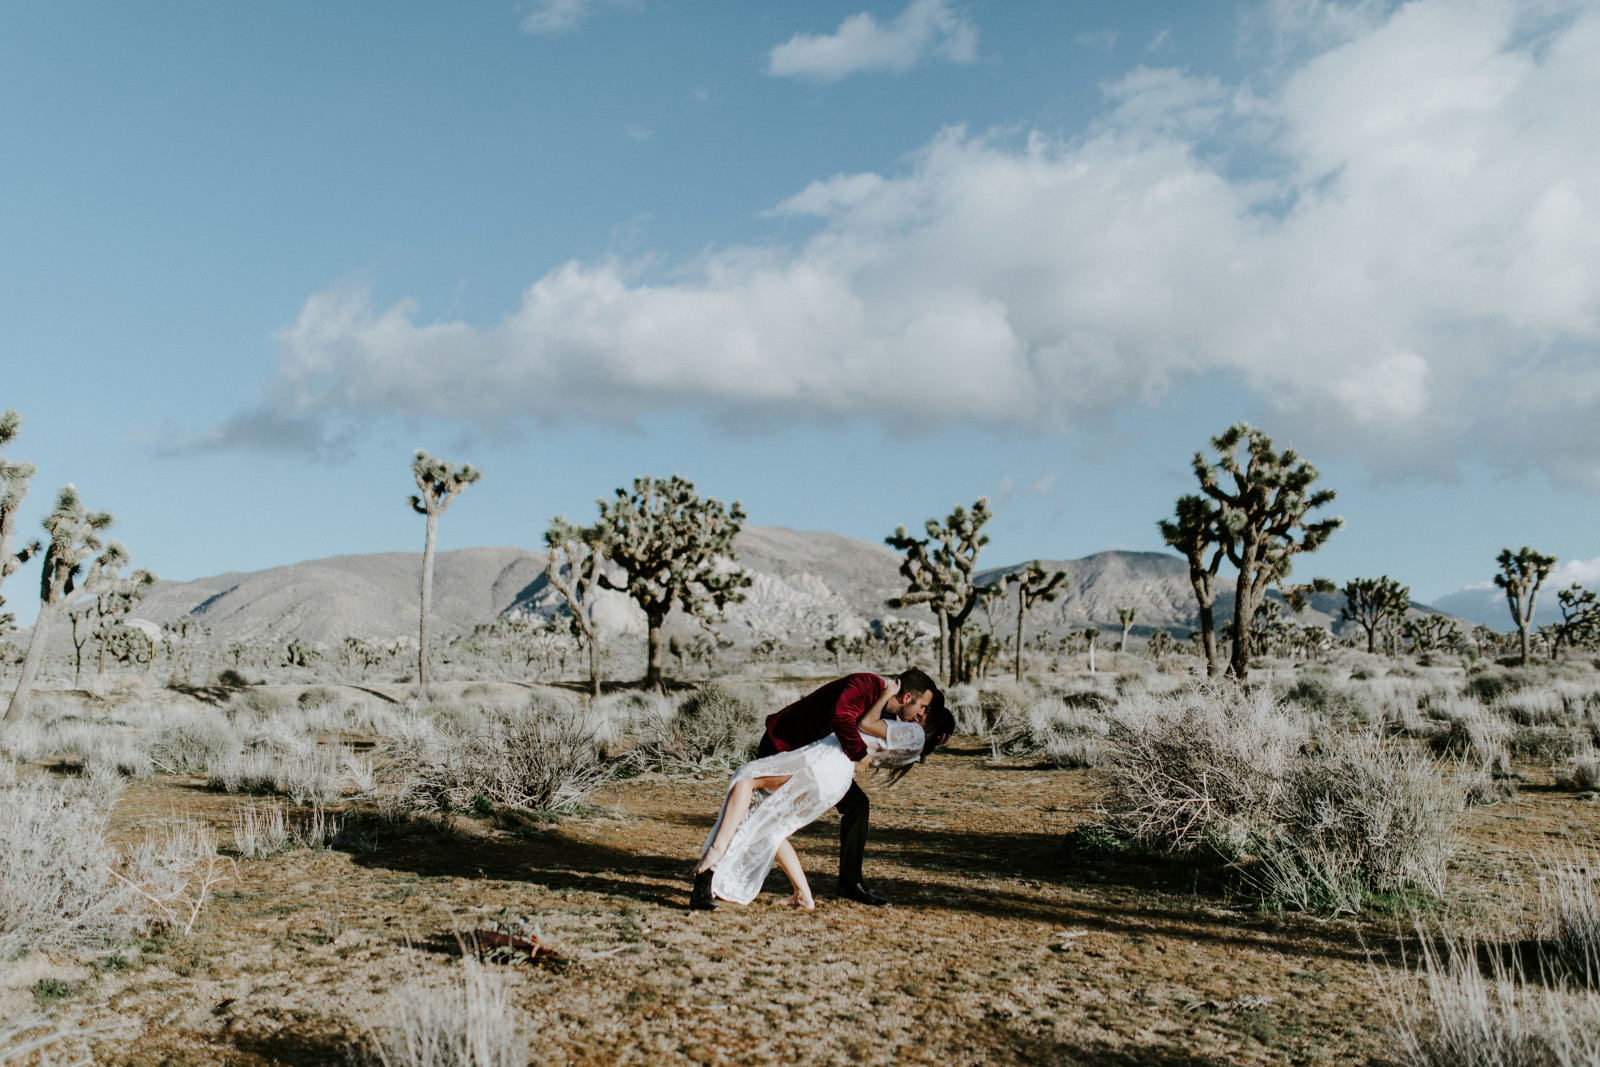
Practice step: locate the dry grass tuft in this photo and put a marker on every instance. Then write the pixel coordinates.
(1455, 1015)
(467, 1022)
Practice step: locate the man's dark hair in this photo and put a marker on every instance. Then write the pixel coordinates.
(916, 681)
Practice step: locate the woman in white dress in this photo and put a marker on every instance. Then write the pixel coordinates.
(799, 786)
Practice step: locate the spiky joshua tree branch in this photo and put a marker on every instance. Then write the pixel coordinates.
(577, 554)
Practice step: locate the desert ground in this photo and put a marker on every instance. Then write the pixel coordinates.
(1021, 931)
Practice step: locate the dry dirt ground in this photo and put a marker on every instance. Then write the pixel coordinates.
(1003, 945)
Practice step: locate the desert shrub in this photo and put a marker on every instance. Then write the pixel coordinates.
(1358, 818)
(1004, 707)
(193, 741)
(228, 678)
(453, 717)
(617, 716)
(1319, 694)
(318, 696)
(1486, 783)
(1547, 744)
(547, 702)
(520, 761)
(1455, 1015)
(1569, 915)
(259, 703)
(466, 1022)
(715, 725)
(1474, 734)
(962, 700)
(1065, 735)
(1202, 768)
(1489, 684)
(320, 775)
(263, 831)
(1582, 774)
(56, 886)
(1541, 706)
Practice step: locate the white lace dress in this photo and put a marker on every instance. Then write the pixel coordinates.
(820, 775)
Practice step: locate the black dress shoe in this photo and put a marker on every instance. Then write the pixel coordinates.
(700, 898)
(861, 894)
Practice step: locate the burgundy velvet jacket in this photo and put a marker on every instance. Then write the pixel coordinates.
(836, 708)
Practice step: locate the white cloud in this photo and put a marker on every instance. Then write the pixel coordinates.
(638, 133)
(1100, 40)
(1415, 277)
(926, 29)
(1586, 572)
(551, 17)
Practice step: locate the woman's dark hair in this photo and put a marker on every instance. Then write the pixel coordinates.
(938, 725)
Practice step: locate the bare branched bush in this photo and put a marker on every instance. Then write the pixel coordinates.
(1455, 1015)
(1064, 734)
(1203, 768)
(1357, 818)
(520, 761)
(465, 1022)
(56, 886)
(190, 740)
(174, 873)
(717, 725)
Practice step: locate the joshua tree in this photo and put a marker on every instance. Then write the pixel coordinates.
(577, 554)
(1270, 500)
(74, 540)
(1521, 575)
(1033, 585)
(438, 481)
(14, 478)
(1126, 617)
(1580, 618)
(1372, 603)
(1090, 636)
(1160, 644)
(1196, 530)
(943, 578)
(672, 545)
(113, 606)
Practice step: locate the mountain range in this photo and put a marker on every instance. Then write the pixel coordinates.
(806, 586)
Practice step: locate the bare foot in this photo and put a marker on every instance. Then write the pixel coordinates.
(797, 901)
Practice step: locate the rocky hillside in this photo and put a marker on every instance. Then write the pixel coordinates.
(807, 585)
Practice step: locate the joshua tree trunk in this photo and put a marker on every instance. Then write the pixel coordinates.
(1091, 657)
(652, 671)
(594, 668)
(427, 600)
(1208, 637)
(30, 665)
(1022, 611)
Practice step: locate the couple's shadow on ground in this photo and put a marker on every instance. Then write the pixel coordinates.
(560, 861)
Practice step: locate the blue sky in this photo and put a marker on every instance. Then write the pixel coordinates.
(849, 263)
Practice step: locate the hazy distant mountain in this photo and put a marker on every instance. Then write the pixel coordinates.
(807, 585)
(1486, 603)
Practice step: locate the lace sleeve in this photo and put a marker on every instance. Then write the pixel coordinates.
(902, 746)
